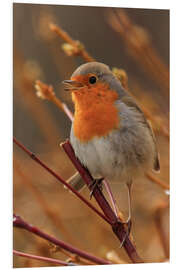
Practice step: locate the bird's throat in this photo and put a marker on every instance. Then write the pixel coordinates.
(96, 120)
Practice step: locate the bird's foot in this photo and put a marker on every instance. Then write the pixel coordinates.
(94, 184)
(128, 224)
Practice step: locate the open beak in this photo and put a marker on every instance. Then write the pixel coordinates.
(71, 85)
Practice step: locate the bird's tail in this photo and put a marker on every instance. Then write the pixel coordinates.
(76, 182)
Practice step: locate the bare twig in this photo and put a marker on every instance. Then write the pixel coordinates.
(45, 91)
(20, 223)
(42, 164)
(117, 226)
(44, 259)
(73, 47)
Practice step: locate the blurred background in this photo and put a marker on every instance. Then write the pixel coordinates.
(136, 40)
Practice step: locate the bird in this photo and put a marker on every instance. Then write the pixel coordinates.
(110, 134)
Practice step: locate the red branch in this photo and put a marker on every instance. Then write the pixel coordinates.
(20, 223)
(117, 226)
(40, 258)
(35, 158)
(110, 217)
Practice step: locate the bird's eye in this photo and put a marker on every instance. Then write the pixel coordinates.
(92, 79)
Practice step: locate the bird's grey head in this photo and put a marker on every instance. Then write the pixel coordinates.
(103, 73)
(95, 68)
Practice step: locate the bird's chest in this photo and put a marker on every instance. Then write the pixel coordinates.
(98, 154)
(96, 121)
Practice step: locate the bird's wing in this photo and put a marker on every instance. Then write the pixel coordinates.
(129, 101)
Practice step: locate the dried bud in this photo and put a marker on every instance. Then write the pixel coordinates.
(72, 50)
(69, 49)
(44, 91)
(122, 76)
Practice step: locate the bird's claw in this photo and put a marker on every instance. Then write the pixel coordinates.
(93, 185)
(129, 225)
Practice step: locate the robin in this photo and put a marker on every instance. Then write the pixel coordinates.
(110, 134)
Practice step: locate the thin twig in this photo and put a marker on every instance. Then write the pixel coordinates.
(44, 259)
(76, 47)
(20, 223)
(45, 91)
(42, 164)
(117, 226)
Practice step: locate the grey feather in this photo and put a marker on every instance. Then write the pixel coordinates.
(129, 101)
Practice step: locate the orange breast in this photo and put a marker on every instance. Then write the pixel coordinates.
(95, 113)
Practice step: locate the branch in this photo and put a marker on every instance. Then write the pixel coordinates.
(44, 259)
(117, 226)
(71, 47)
(45, 91)
(36, 159)
(20, 223)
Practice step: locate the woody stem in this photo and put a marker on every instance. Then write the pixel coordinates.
(40, 258)
(117, 226)
(20, 223)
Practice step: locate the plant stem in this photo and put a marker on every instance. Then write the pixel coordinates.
(78, 48)
(20, 223)
(117, 226)
(40, 258)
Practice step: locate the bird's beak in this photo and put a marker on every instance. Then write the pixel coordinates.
(71, 85)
